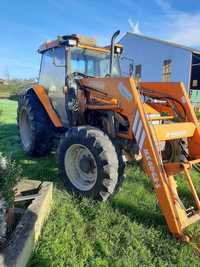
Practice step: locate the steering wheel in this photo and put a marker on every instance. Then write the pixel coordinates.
(76, 73)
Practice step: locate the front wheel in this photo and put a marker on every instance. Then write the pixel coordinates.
(89, 163)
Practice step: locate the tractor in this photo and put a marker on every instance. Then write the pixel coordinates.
(100, 118)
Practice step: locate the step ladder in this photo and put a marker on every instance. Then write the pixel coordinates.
(150, 132)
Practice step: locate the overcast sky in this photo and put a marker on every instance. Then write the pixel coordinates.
(24, 25)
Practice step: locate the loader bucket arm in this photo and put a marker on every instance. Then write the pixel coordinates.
(148, 136)
(153, 163)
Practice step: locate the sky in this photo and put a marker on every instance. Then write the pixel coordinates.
(24, 25)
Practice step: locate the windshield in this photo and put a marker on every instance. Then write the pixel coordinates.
(93, 63)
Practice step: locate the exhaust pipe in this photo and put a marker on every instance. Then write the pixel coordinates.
(112, 50)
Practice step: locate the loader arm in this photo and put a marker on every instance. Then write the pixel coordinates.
(163, 174)
(173, 119)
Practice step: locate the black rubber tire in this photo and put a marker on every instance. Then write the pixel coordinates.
(121, 168)
(42, 129)
(109, 169)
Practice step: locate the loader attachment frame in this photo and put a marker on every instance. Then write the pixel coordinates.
(148, 136)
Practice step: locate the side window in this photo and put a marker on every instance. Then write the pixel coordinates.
(90, 68)
(138, 73)
(104, 67)
(52, 76)
(78, 66)
(167, 70)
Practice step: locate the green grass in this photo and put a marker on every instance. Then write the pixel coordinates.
(198, 115)
(129, 230)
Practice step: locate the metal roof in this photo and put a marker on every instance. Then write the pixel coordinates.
(163, 42)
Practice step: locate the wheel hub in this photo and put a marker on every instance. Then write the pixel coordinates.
(86, 164)
(80, 166)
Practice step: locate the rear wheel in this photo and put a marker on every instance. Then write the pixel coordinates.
(35, 128)
(89, 163)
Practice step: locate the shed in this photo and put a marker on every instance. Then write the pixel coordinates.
(157, 60)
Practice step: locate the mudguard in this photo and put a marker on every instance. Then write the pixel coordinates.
(44, 99)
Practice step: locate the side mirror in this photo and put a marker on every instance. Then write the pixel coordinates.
(129, 67)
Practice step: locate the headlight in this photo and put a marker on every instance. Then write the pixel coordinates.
(118, 49)
(72, 42)
(68, 40)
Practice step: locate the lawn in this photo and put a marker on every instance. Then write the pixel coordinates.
(129, 230)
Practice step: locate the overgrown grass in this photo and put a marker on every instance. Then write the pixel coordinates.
(126, 231)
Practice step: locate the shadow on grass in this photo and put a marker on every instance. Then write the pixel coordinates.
(40, 168)
(138, 176)
(141, 215)
(39, 259)
(136, 209)
(14, 97)
(8, 138)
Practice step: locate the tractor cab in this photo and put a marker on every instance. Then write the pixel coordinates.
(72, 57)
(80, 55)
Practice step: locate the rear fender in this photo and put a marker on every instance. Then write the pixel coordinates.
(44, 99)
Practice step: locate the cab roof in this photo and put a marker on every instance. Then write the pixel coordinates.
(82, 41)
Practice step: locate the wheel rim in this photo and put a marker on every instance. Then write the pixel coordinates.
(80, 167)
(25, 128)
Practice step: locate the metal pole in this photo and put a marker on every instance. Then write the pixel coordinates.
(112, 50)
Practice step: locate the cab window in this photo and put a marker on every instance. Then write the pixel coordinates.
(93, 63)
(52, 73)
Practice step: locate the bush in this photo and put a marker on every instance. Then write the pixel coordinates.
(10, 173)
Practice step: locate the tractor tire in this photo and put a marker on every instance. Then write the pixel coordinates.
(89, 164)
(121, 169)
(36, 131)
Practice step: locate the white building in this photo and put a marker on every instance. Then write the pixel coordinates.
(157, 60)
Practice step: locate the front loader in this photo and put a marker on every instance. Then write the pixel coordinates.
(100, 116)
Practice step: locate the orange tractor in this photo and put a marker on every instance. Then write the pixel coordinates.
(100, 116)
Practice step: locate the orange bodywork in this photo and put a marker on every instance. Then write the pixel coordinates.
(148, 128)
(174, 131)
(119, 89)
(44, 99)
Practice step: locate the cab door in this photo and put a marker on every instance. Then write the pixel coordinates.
(52, 77)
